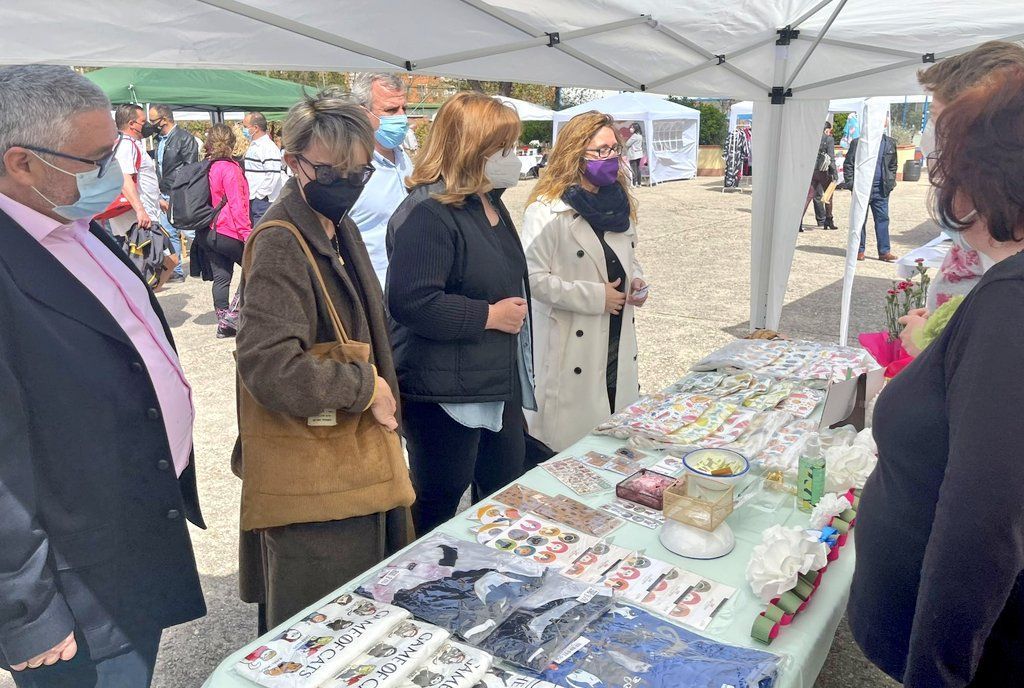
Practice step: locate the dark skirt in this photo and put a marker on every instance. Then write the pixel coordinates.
(288, 568)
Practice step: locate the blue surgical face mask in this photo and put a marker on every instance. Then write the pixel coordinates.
(95, 193)
(392, 130)
(247, 134)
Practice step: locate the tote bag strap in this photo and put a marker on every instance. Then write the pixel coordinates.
(339, 328)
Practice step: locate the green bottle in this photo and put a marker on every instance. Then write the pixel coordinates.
(810, 484)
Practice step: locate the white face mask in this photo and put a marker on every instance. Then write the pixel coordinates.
(928, 139)
(503, 169)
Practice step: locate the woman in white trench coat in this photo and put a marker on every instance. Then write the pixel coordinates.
(580, 241)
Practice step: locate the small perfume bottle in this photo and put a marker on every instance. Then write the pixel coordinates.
(810, 475)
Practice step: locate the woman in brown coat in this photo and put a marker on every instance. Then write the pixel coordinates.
(315, 512)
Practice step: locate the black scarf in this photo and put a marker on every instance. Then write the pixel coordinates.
(607, 210)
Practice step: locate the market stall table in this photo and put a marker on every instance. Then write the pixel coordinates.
(803, 647)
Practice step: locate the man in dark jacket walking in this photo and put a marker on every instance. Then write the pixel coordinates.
(882, 185)
(175, 148)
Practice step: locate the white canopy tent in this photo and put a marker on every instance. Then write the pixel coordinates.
(743, 110)
(671, 131)
(789, 56)
(528, 112)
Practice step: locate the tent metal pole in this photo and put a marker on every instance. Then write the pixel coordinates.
(810, 13)
(743, 75)
(760, 290)
(808, 36)
(292, 26)
(817, 41)
(523, 45)
(710, 63)
(899, 65)
(495, 13)
(601, 67)
(711, 57)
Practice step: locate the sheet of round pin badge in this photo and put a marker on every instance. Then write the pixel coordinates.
(543, 541)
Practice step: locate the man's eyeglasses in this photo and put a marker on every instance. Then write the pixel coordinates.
(329, 174)
(605, 152)
(103, 163)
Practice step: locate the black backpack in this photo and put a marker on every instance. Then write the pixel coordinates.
(191, 205)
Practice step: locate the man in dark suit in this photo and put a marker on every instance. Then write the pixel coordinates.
(175, 148)
(96, 464)
(882, 185)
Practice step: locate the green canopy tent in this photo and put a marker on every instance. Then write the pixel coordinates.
(208, 90)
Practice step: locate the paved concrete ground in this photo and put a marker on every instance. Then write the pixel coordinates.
(695, 249)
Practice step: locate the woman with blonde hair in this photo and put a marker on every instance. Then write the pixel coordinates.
(229, 192)
(325, 489)
(459, 304)
(580, 241)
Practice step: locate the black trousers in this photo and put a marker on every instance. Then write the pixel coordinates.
(822, 211)
(224, 254)
(634, 166)
(447, 457)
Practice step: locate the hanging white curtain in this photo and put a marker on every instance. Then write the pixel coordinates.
(785, 145)
(872, 124)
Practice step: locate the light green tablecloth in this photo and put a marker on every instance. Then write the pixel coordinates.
(803, 645)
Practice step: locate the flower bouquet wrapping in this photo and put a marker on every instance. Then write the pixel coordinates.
(905, 296)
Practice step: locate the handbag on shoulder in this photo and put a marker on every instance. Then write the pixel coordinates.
(328, 467)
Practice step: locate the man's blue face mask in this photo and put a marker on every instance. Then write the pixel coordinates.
(391, 131)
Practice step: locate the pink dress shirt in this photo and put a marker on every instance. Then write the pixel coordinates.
(126, 298)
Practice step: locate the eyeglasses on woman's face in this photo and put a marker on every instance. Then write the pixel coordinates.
(330, 174)
(603, 153)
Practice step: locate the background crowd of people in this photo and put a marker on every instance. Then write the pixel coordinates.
(381, 297)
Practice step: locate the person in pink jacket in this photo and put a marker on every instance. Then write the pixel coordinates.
(231, 226)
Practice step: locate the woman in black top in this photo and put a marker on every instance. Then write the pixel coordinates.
(457, 295)
(938, 592)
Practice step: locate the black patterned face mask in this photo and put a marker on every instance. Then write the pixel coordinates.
(334, 200)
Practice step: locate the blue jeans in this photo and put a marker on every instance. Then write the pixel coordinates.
(132, 669)
(880, 210)
(173, 232)
(257, 208)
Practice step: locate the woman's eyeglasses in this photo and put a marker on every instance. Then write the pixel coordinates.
(103, 163)
(329, 174)
(605, 152)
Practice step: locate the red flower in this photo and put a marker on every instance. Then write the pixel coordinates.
(919, 261)
(892, 292)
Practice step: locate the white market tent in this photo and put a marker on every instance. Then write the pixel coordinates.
(671, 131)
(528, 112)
(742, 110)
(789, 56)
(745, 109)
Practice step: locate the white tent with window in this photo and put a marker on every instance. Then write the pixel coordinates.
(670, 130)
(790, 57)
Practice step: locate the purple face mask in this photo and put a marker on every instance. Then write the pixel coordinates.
(602, 172)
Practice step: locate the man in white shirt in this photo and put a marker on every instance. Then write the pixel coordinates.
(262, 166)
(141, 187)
(383, 96)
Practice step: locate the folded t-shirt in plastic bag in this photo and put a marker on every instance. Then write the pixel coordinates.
(325, 640)
(629, 647)
(464, 587)
(392, 659)
(501, 678)
(453, 666)
(547, 621)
